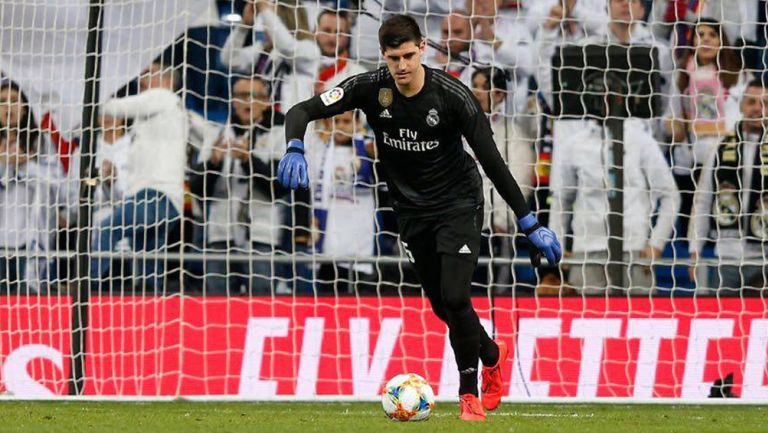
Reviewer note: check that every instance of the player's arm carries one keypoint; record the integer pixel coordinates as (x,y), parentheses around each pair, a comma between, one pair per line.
(477,130)
(292,170)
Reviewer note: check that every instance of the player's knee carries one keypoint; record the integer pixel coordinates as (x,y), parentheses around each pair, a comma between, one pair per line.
(439,311)
(456,300)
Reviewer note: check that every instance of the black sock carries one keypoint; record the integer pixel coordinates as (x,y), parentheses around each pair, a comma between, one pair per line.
(466,342)
(468,381)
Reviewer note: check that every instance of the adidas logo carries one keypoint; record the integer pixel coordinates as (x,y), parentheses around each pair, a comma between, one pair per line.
(385,114)
(465,250)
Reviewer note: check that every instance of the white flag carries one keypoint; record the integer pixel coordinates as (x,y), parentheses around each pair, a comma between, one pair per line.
(43,43)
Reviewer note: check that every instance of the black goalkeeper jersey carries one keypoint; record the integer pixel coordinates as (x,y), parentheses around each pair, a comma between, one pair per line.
(418,139)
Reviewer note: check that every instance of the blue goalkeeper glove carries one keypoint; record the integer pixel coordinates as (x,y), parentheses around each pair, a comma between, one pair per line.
(543,240)
(292,170)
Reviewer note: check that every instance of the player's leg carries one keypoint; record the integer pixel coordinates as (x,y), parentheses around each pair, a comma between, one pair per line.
(458,240)
(418,240)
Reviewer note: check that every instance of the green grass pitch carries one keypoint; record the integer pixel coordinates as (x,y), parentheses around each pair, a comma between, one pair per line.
(188,417)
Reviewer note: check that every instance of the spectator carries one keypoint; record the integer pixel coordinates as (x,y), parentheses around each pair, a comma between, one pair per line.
(343,201)
(112,149)
(504,40)
(744,22)
(333,40)
(579,196)
(625,27)
(704,104)
(490,88)
(729,206)
(28,215)
(16,115)
(456,51)
(580,205)
(155,177)
(288,57)
(242,198)
(705,96)
(201,133)
(586,17)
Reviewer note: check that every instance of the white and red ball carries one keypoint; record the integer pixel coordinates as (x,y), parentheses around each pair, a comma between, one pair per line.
(407,397)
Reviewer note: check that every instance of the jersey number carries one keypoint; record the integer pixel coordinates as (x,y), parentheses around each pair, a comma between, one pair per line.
(408,252)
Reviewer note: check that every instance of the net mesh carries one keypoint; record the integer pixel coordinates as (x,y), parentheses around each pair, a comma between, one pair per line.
(205,277)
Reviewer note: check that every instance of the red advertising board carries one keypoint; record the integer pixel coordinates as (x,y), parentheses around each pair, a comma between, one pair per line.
(305,347)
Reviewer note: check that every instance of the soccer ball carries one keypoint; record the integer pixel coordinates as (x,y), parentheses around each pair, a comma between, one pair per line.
(407,397)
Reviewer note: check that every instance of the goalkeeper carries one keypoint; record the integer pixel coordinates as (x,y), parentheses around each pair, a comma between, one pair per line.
(419,115)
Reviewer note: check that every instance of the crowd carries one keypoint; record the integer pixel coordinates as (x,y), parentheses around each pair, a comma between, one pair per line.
(178,176)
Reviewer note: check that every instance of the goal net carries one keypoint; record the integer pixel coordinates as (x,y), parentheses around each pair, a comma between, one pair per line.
(149,251)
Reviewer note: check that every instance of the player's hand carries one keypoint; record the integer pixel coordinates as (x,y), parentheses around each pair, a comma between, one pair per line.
(542,238)
(292,170)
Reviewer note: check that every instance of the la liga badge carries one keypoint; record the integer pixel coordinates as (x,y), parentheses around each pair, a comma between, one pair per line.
(332,96)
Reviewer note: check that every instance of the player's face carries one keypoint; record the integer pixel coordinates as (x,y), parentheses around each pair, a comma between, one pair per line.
(754,109)
(344,127)
(331,32)
(404,61)
(250,101)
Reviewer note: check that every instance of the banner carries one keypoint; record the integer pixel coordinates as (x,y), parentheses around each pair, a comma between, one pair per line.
(43,45)
(257,348)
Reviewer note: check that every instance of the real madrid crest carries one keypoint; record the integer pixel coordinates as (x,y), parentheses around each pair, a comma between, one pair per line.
(726,206)
(432,118)
(759,221)
(385,97)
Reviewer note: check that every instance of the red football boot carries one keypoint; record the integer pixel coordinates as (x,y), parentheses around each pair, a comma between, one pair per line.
(493,384)
(471,409)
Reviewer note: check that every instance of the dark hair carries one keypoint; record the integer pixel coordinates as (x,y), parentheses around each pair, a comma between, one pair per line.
(728,63)
(27,129)
(397,30)
(496,77)
(757,82)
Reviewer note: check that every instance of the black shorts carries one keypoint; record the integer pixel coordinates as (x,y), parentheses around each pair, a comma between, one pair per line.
(455,233)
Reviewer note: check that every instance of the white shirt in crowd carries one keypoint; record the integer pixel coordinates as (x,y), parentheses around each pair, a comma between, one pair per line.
(225,221)
(350,206)
(263,213)
(28,206)
(107,195)
(699,230)
(580,189)
(517,150)
(157,155)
